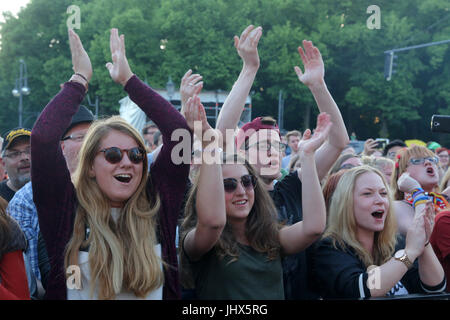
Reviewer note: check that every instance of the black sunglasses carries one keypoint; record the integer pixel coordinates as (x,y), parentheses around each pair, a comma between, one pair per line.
(248,181)
(114,155)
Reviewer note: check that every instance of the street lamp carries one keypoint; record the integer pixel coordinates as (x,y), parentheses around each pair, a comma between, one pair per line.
(21,87)
(170,87)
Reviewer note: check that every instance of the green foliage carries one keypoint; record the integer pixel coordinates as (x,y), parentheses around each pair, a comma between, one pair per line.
(198,34)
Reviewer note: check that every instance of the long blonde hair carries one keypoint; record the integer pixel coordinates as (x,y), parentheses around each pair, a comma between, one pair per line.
(121,254)
(341,225)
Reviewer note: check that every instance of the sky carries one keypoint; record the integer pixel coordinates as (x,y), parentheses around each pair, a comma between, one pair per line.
(11,5)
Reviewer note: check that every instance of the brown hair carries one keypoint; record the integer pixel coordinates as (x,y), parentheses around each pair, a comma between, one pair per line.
(261,227)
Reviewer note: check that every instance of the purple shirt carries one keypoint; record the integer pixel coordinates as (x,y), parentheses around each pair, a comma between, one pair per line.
(55,195)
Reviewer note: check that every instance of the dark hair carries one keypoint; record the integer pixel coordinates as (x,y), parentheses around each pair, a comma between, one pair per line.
(393,143)
(5,229)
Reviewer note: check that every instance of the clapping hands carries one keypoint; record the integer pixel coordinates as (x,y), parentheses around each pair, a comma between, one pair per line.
(191,85)
(81,63)
(119,69)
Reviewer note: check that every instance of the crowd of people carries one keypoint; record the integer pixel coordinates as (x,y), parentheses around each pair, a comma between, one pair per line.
(107,212)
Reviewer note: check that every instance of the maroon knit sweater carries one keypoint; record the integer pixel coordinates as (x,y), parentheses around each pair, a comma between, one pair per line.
(55,196)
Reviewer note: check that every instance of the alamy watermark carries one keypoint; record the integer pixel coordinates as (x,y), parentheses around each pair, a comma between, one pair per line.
(263,148)
(74,20)
(374,21)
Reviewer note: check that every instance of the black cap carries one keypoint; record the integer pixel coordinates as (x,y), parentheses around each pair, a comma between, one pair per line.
(13,134)
(83,115)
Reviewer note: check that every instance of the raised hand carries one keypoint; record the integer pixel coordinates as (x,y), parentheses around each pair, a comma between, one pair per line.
(370,146)
(81,63)
(419,232)
(195,112)
(119,69)
(406,183)
(311,142)
(247,45)
(313,64)
(191,85)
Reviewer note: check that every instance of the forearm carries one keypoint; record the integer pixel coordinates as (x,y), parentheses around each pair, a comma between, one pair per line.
(313,203)
(158,109)
(338,135)
(384,277)
(235,102)
(430,269)
(210,183)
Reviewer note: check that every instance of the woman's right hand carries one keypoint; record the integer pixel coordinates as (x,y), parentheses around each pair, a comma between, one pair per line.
(406,183)
(80,59)
(419,232)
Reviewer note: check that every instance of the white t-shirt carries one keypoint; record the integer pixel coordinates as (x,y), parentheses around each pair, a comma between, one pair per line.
(84,292)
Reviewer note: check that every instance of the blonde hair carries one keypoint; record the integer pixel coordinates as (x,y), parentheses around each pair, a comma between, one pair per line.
(403,157)
(444,181)
(341,225)
(121,254)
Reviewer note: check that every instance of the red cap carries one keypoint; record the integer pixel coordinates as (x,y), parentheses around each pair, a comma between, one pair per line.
(251,127)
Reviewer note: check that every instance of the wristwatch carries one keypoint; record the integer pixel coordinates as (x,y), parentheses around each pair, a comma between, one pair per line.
(401,255)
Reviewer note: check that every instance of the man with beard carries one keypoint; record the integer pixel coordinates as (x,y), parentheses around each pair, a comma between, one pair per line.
(16,160)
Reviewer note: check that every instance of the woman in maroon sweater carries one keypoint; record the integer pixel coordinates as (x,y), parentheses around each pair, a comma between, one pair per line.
(114,222)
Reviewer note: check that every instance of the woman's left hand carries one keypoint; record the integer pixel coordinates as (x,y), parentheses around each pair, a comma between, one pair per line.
(119,69)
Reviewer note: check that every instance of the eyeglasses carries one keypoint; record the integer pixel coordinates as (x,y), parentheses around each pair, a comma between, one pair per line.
(248,182)
(114,155)
(392,154)
(418,161)
(266,145)
(17,154)
(78,137)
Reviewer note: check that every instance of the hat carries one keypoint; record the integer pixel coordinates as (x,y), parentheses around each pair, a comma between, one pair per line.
(83,115)
(251,127)
(432,145)
(13,134)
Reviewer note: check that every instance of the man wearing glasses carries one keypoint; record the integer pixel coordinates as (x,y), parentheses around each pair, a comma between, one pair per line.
(16,160)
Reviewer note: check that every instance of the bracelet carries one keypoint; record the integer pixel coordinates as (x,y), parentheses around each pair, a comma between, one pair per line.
(416,192)
(86,85)
(420,200)
(79,74)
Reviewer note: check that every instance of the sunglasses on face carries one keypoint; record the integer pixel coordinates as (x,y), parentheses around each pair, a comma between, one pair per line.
(417,161)
(248,182)
(114,155)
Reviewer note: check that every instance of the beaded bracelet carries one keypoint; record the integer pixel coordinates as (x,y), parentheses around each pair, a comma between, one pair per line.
(420,200)
(416,192)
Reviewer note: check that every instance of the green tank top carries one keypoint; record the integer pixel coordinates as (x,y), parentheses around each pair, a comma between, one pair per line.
(252,277)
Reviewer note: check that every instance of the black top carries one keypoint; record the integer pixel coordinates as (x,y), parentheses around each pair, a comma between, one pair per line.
(287,196)
(340,274)
(6,192)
